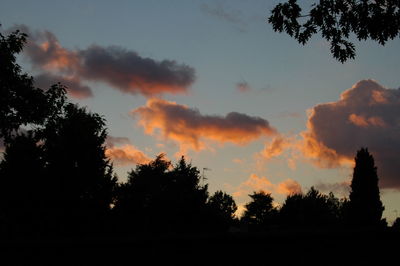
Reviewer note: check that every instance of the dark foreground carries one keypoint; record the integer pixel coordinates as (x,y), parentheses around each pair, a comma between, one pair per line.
(278,248)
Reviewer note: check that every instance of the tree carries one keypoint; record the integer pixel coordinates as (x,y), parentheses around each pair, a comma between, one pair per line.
(337,20)
(396,225)
(161,198)
(80,180)
(365,206)
(22,179)
(311,209)
(222,207)
(20,102)
(259,212)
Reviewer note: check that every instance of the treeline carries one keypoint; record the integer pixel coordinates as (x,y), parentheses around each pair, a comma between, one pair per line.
(56,180)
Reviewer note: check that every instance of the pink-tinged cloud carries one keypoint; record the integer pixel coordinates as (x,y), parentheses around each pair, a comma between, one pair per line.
(73,85)
(126,154)
(366,115)
(191,129)
(256,183)
(122,69)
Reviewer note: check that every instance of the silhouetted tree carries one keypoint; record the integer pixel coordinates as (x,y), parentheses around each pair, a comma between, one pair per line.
(337,20)
(22,195)
(80,179)
(222,210)
(160,199)
(20,102)
(259,212)
(311,209)
(396,225)
(365,206)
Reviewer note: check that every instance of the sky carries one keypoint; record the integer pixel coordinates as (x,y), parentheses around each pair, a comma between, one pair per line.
(251,108)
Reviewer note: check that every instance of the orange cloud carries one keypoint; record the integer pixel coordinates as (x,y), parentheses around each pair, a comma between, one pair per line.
(276,147)
(256,183)
(362,121)
(288,187)
(192,130)
(127,155)
(366,115)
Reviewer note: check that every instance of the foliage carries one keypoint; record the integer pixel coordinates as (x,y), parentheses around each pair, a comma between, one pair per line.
(159,197)
(20,102)
(365,206)
(396,224)
(259,212)
(22,180)
(222,208)
(83,183)
(337,20)
(313,208)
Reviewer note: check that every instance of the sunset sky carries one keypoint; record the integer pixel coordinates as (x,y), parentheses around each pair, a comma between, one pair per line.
(211,80)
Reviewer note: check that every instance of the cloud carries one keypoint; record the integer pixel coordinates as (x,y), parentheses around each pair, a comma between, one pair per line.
(120,68)
(191,129)
(366,115)
(243,86)
(288,187)
(126,154)
(256,183)
(276,147)
(231,16)
(74,86)
(341,189)
(131,73)
(112,141)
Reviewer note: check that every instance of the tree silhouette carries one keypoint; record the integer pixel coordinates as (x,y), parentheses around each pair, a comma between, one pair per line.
(396,225)
(80,179)
(20,102)
(259,212)
(310,209)
(337,20)
(365,206)
(160,199)
(222,207)
(22,197)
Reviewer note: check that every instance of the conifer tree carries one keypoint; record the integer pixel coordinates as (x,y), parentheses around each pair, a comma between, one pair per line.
(365,206)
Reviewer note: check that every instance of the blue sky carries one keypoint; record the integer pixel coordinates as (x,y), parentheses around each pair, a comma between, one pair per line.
(225,42)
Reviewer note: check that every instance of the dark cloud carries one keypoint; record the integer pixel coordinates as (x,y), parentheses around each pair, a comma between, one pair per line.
(243,86)
(74,86)
(191,129)
(122,69)
(113,141)
(131,73)
(341,189)
(367,115)
(219,11)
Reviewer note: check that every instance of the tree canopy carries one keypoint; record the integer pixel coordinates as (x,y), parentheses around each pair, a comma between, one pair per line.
(20,102)
(338,21)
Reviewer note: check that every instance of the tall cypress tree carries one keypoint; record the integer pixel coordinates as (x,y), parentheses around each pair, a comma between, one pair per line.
(365,206)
